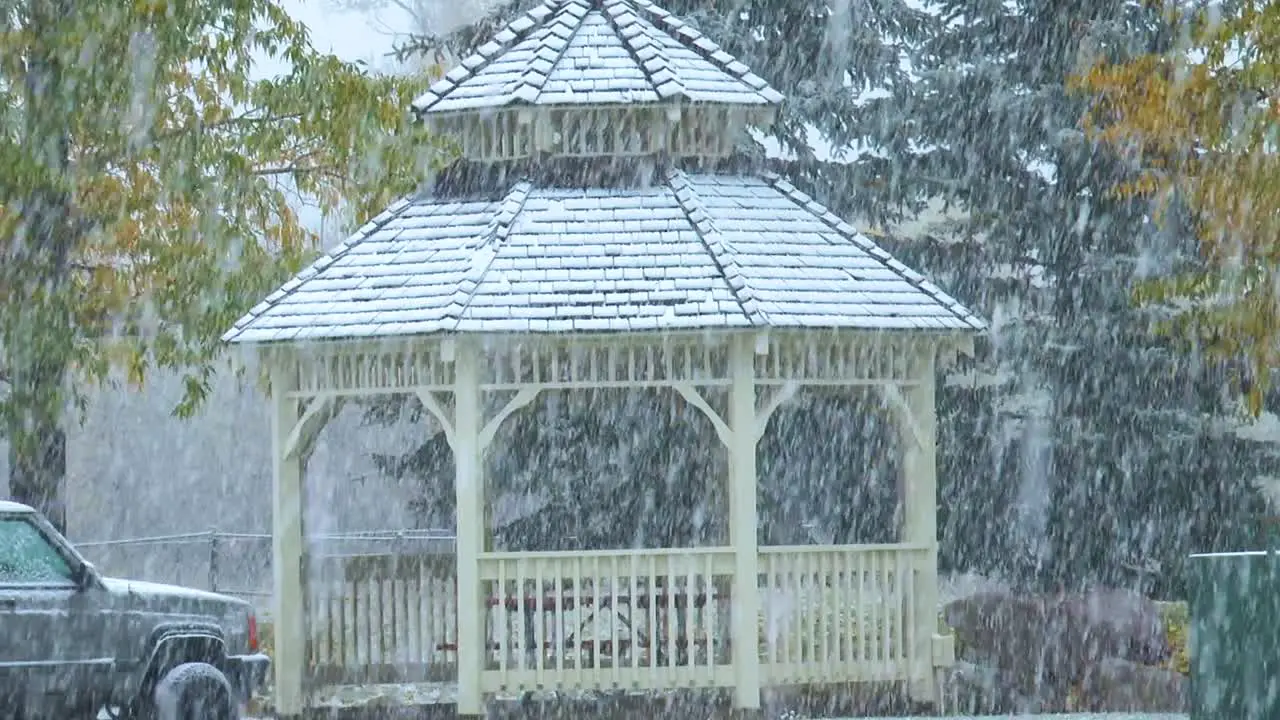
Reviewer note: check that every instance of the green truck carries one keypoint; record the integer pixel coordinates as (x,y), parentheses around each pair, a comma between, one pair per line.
(74,644)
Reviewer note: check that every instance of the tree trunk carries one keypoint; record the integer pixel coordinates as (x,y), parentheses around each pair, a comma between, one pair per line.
(38,347)
(37,474)
(38,322)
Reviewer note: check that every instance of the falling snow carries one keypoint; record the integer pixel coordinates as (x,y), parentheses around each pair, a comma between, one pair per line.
(851,277)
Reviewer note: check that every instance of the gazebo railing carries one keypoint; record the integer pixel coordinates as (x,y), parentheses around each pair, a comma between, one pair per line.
(840,613)
(633,619)
(627,619)
(386,618)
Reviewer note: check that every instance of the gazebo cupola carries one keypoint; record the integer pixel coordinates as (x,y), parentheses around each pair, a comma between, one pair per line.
(597,78)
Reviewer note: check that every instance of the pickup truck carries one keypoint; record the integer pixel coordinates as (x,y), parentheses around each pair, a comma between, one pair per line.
(74,644)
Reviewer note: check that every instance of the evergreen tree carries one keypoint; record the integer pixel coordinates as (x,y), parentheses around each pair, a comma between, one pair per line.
(1097,410)
(1079,445)
(821,56)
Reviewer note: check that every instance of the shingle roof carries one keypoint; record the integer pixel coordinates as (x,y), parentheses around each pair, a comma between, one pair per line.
(696,251)
(601,52)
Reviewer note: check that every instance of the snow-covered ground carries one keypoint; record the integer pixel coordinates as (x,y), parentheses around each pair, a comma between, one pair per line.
(1101,716)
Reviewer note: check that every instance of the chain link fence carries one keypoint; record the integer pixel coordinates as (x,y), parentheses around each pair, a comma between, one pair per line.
(239,563)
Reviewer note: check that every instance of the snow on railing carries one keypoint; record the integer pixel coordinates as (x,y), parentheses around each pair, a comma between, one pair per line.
(653,618)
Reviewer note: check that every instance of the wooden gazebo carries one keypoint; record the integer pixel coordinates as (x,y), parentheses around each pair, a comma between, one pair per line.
(590,237)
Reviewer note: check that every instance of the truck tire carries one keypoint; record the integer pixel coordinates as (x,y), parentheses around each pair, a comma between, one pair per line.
(195,691)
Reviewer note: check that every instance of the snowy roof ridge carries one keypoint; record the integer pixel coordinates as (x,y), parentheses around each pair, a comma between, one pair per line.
(643,48)
(635,52)
(721,254)
(315,268)
(851,233)
(706,47)
(531,83)
(502,41)
(497,232)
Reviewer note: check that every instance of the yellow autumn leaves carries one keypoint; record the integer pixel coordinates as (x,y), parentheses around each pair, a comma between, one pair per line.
(1201,126)
(187,168)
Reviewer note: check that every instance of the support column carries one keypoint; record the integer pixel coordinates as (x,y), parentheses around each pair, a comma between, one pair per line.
(918,425)
(745,605)
(288,609)
(469,486)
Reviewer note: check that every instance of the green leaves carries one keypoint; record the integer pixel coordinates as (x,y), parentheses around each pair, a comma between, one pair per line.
(185,167)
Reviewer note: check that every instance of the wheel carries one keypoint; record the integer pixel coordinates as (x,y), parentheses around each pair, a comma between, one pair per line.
(195,691)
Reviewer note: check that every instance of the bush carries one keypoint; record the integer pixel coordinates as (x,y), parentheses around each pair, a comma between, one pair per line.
(1177,621)
(1177,624)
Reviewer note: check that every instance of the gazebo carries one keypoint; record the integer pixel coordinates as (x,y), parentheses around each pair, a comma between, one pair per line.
(597,234)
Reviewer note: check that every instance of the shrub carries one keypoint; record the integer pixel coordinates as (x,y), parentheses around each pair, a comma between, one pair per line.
(1177,624)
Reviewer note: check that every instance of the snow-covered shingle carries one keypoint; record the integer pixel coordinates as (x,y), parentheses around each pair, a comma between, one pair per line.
(700,251)
(597,52)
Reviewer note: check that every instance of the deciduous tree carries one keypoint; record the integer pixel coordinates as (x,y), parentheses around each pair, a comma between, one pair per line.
(150,191)
(1201,123)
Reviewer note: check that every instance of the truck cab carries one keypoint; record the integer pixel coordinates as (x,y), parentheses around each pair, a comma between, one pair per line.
(73,642)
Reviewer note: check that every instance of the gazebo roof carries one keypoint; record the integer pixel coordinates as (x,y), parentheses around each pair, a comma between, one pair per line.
(601,242)
(691,251)
(597,52)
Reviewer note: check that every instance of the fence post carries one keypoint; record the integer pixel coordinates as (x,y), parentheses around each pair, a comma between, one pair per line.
(213,559)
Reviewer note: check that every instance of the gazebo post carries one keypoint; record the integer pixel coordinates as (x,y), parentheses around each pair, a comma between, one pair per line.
(469,486)
(289,653)
(917,419)
(745,607)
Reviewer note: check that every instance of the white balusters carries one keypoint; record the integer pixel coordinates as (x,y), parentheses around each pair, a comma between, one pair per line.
(642,619)
(837,614)
(615,605)
(386,618)
(611,619)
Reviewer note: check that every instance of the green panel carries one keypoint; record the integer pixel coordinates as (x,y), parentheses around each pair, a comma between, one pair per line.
(1235,636)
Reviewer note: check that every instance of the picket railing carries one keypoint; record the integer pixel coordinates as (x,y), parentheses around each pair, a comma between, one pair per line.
(382,619)
(634,619)
(627,619)
(840,613)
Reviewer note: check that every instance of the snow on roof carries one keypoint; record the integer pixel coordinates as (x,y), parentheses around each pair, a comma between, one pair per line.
(598,52)
(693,252)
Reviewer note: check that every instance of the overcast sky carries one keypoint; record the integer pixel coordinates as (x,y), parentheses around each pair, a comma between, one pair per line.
(365,35)
(368,35)
(357,35)
(351,35)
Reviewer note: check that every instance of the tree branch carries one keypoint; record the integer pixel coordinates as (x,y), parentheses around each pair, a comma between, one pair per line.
(247,118)
(250,117)
(296,169)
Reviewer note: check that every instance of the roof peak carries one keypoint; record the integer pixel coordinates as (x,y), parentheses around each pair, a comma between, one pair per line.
(596,53)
